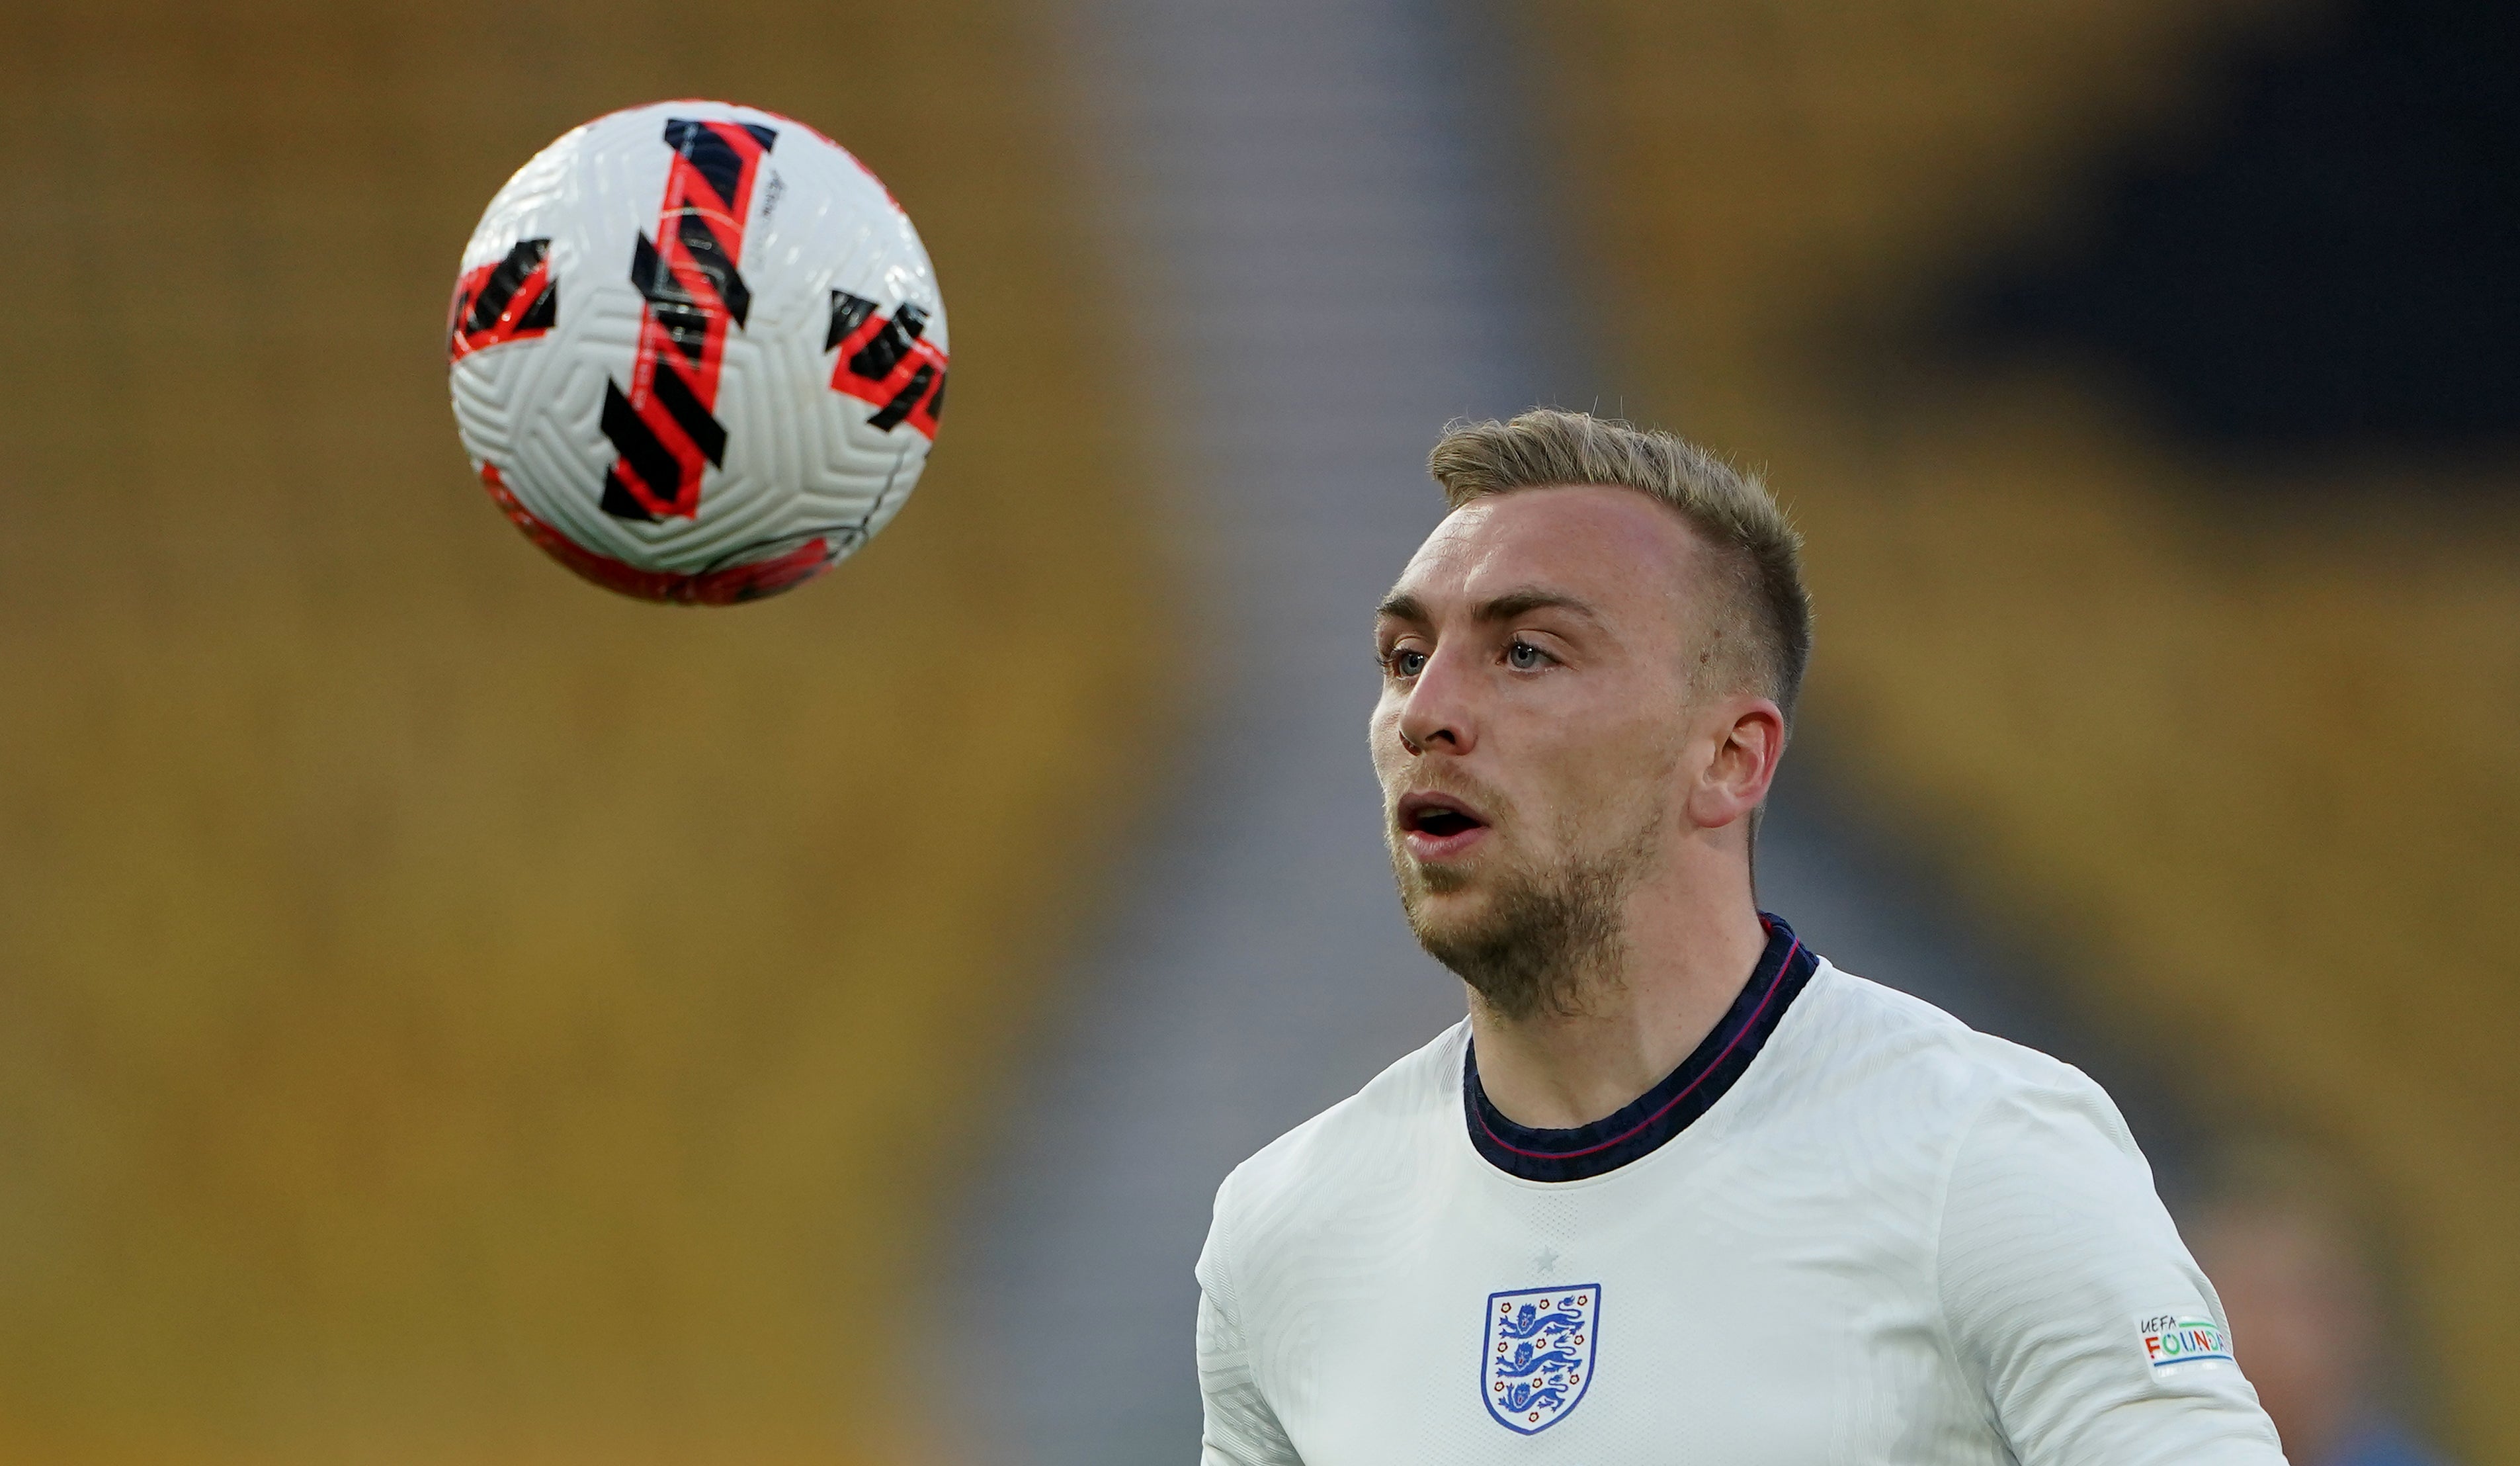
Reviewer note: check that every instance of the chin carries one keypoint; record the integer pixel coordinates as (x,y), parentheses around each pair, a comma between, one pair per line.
(1442,898)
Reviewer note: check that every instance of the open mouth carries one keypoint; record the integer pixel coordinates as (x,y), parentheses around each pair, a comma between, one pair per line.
(1434,825)
(1443,822)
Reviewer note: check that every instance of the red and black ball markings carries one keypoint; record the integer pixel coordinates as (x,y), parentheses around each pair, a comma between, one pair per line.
(509,301)
(665,426)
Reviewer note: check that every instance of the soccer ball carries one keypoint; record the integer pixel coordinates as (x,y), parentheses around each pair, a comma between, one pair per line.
(697,352)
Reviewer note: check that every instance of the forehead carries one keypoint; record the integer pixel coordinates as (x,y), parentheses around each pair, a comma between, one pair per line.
(1606,546)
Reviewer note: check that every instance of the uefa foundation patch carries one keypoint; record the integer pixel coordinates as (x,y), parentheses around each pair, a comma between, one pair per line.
(1537,1360)
(2172,1340)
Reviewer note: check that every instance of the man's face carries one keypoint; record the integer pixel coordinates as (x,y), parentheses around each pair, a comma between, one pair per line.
(1535,710)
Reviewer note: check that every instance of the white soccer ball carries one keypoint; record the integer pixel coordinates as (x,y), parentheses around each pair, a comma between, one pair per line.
(696,351)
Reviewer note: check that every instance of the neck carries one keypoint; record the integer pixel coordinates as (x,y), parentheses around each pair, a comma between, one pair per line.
(1688,953)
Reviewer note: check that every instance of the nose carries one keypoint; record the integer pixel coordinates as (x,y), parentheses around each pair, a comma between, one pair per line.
(1435,717)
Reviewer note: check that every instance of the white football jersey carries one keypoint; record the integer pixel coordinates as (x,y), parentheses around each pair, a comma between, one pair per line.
(1850,1228)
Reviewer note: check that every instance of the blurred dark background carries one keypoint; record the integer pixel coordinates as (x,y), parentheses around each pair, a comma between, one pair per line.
(2318,262)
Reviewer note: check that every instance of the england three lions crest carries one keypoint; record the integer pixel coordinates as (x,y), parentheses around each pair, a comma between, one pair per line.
(1537,1360)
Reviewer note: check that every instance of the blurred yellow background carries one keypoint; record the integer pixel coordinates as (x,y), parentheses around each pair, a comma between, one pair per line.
(449,1014)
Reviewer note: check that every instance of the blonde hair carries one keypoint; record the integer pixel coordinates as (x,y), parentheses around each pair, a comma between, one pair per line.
(1759,546)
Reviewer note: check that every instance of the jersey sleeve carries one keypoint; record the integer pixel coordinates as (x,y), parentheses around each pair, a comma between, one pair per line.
(1238,1428)
(2071,1304)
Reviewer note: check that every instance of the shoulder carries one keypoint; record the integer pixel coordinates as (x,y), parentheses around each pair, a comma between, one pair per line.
(2038,1189)
(1926,1091)
(1345,1142)
(2046,1243)
(1365,1144)
(1878,1038)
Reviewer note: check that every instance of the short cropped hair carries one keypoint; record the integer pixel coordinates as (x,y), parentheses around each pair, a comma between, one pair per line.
(1751,535)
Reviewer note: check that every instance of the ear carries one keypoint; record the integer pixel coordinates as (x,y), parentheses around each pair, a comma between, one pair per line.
(1748,736)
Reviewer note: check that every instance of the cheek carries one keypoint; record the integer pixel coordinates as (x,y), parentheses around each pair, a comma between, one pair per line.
(1383,734)
(1620,768)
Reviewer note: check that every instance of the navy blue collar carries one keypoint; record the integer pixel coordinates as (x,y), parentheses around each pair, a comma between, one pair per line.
(1655,1116)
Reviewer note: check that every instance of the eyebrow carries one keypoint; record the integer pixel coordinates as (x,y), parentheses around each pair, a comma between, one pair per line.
(1402,606)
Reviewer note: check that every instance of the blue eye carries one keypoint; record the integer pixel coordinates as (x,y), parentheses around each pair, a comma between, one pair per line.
(1523,656)
(1406,661)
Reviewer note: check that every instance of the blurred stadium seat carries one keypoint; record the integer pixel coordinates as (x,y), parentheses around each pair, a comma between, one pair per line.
(447,1013)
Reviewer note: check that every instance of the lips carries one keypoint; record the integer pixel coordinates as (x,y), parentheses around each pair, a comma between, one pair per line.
(1437,827)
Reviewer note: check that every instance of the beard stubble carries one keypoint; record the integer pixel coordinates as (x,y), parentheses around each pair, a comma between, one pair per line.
(1547,938)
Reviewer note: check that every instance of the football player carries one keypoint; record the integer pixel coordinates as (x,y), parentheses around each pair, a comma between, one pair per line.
(1678,1188)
